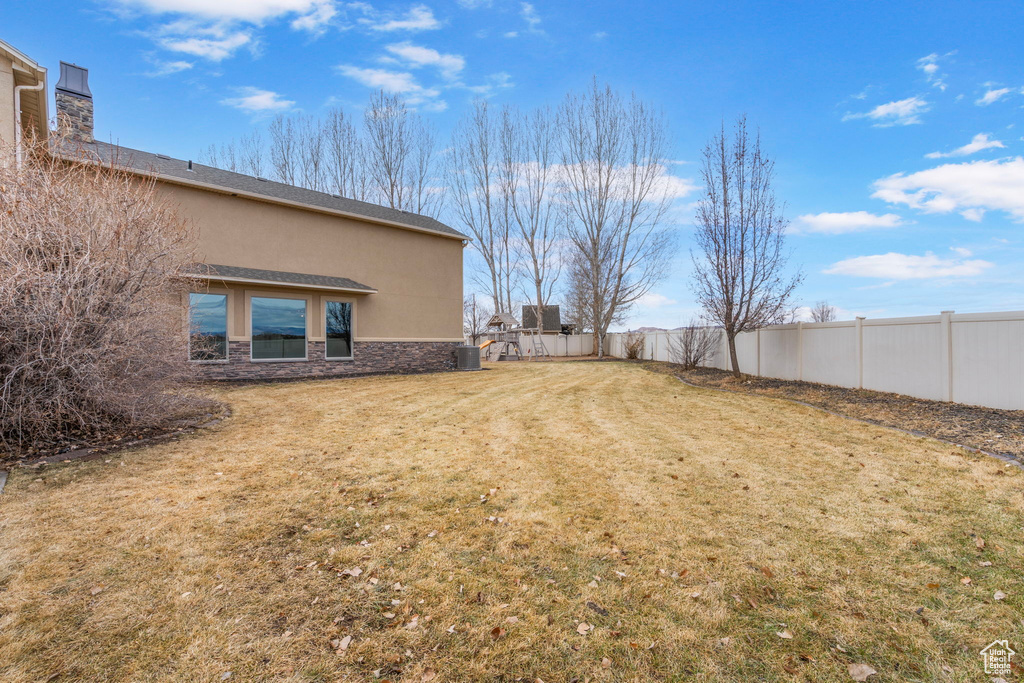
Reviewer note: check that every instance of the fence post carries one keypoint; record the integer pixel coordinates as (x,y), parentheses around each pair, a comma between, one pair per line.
(946,371)
(800,350)
(860,351)
(758,333)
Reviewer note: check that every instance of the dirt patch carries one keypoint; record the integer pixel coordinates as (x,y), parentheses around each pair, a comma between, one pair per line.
(988,429)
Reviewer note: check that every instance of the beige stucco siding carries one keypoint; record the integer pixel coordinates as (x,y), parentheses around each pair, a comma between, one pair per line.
(7,115)
(418,276)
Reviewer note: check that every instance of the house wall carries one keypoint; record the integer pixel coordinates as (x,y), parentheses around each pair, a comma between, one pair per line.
(7,114)
(418,276)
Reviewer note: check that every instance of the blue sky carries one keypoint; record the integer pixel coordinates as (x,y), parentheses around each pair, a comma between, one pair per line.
(894,125)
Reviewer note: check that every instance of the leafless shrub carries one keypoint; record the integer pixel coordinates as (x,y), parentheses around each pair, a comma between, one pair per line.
(693,345)
(634,344)
(92,273)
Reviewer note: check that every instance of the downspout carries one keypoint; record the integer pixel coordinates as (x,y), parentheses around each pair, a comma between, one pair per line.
(17,116)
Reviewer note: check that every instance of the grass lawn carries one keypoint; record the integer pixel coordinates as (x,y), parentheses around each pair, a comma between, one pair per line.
(557,521)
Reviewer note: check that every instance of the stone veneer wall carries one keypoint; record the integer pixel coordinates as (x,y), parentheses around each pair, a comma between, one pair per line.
(369,358)
(76,114)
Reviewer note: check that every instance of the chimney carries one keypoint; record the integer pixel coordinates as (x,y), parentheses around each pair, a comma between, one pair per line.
(74,102)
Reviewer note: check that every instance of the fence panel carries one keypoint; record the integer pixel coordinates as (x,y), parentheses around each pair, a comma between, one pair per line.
(905,357)
(830,354)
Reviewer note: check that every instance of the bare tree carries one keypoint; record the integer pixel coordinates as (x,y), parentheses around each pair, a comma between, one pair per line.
(529,185)
(474,318)
(346,161)
(739,269)
(480,200)
(693,345)
(312,153)
(822,312)
(634,344)
(251,155)
(613,154)
(93,270)
(400,156)
(284,146)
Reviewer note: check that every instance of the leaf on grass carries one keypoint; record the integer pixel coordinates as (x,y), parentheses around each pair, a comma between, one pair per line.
(986,563)
(512,620)
(353,572)
(695,594)
(592,584)
(606,663)
(96,590)
(344,643)
(966,581)
(979,542)
(583,628)
(1000,595)
(497,632)
(860,672)
(933,586)
(428,674)
(767,572)
(784,634)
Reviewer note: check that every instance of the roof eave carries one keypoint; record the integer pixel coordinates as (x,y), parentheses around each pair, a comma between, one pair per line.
(278,283)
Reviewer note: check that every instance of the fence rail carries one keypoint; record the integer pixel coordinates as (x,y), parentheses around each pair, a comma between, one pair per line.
(972,358)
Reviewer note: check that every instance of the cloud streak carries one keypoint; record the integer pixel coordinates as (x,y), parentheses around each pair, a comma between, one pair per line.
(899,113)
(841,223)
(978,143)
(896,266)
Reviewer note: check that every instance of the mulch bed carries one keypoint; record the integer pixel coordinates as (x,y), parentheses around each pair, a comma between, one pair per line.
(988,429)
(90,447)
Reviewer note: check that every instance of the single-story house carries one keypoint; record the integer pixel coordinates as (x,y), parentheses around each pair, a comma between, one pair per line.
(297,283)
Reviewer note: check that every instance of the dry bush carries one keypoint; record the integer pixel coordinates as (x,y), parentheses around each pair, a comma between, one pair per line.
(92,270)
(634,345)
(693,346)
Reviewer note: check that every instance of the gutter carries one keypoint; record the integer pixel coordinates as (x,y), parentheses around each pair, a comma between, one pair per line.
(275,283)
(19,153)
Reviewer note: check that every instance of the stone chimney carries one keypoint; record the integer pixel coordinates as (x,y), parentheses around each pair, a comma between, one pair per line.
(74,102)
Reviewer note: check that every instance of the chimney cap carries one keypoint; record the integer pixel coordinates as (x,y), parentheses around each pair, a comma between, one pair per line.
(74,80)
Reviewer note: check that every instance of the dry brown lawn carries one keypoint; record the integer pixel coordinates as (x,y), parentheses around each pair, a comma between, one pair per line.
(550,521)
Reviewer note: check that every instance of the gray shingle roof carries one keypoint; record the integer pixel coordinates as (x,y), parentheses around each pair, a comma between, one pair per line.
(214,271)
(177,168)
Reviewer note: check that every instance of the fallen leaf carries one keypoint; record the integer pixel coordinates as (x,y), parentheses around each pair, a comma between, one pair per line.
(428,674)
(860,672)
(583,628)
(512,620)
(695,594)
(979,542)
(497,632)
(592,584)
(96,590)
(784,634)
(725,642)
(767,572)
(389,615)
(966,581)
(1000,595)
(933,586)
(355,571)
(986,563)
(345,642)
(606,663)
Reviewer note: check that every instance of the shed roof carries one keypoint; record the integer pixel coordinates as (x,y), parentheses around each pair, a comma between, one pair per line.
(200,175)
(211,271)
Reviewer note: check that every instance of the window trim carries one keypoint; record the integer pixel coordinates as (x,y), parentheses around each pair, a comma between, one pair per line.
(227,324)
(249,296)
(352,342)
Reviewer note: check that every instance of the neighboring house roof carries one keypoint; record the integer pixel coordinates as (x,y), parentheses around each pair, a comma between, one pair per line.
(502,319)
(178,171)
(552,318)
(276,277)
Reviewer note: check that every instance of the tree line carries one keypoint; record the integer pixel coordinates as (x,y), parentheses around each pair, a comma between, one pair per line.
(570,199)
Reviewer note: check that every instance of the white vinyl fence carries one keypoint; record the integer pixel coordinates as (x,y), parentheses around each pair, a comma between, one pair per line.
(972,358)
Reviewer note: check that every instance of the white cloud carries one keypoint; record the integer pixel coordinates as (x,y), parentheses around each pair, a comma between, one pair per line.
(416,56)
(213,43)
(258,101)
(930,66)
(401,82)
(894,266)
(167,68)
(530,16)
(600,35)
(991,96)
(252,11)
(851,221)
(969,187)
(655,300)
(512,34)
(962,251)
(418,18)
(978,143)
(898,113)
(495,82)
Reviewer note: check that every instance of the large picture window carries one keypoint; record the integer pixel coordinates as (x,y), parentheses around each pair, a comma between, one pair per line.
(339,329)
(278,328)
(207,326)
